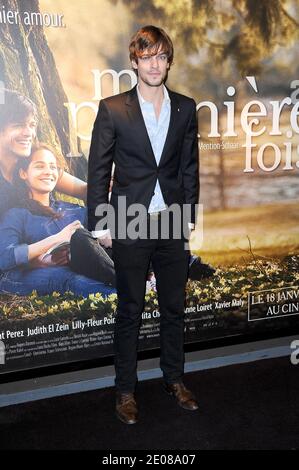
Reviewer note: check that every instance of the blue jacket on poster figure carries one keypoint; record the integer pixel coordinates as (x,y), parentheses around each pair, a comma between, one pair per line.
(8,198)
(20,228)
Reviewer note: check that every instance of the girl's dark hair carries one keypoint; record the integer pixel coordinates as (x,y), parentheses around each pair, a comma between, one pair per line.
(151,37)
(15,108)
(22,190)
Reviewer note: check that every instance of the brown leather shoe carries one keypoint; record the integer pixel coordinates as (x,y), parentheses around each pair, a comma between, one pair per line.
(183,396)
(126,408)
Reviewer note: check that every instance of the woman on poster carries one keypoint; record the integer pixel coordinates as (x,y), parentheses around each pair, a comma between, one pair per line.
(40,224)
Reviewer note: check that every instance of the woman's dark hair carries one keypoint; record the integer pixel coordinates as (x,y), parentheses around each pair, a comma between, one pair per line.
(15,108)
(152,38)
(22,190)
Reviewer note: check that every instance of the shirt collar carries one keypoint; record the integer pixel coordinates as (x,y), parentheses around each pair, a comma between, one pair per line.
(142,100)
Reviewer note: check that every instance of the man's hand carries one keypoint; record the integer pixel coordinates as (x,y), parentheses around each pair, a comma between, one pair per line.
(106,240)
(59,258)
(103,237)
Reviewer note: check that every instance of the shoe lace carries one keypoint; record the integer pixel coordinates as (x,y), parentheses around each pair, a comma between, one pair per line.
(127,398)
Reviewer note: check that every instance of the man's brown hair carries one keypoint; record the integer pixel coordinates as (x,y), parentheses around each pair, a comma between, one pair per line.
(152,38)
(16,108)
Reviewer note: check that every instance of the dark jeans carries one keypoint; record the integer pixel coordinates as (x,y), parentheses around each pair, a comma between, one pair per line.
(90,259)
(170,263)
(48,280)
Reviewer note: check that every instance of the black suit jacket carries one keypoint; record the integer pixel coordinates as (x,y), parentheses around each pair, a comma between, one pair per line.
(120,136)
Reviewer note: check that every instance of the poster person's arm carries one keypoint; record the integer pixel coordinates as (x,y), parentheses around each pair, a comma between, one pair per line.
(190,164)
(72,186)
(5,202)
(14,251)
(39,248)
(100,165)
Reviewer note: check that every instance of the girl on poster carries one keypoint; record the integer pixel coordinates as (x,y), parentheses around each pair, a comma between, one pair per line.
(38,224)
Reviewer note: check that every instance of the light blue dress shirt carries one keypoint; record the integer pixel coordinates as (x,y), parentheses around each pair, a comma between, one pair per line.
(157,131)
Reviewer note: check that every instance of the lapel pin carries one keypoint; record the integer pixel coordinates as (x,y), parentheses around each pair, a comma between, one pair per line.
(178,109)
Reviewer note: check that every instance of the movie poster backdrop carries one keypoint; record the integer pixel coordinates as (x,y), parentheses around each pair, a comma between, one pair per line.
(238,61)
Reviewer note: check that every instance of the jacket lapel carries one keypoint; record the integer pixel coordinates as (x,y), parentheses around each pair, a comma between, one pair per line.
(135,115)
(173,123)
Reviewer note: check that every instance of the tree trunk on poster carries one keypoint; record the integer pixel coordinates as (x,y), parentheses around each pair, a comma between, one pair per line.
(28,66)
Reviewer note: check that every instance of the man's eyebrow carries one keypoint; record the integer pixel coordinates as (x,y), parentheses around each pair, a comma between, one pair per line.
(21,123)
(42,161)
(149,53)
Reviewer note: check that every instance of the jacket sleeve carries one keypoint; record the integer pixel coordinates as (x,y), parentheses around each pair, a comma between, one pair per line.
(100,164)
(190,163)
(13,252)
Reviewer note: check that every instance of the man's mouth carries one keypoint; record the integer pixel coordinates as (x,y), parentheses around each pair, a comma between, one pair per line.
(25,143)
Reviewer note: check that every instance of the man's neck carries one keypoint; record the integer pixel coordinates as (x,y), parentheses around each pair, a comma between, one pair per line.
(153,94)
(7,166)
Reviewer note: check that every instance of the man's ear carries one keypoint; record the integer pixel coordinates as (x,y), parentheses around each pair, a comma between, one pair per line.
(22,174)
(134,64)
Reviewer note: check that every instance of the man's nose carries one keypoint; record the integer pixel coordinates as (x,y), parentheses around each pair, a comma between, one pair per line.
(154,61)
(27,131)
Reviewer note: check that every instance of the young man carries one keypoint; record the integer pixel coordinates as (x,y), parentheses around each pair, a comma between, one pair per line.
(150,133)
(18,120)
(18,124)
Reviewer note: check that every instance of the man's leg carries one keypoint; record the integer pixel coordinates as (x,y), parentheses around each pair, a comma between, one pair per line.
(91,259)
(131,267)
(170,262)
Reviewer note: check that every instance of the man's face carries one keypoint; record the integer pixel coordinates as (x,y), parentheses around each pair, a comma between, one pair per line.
(152,69)
(16,138)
